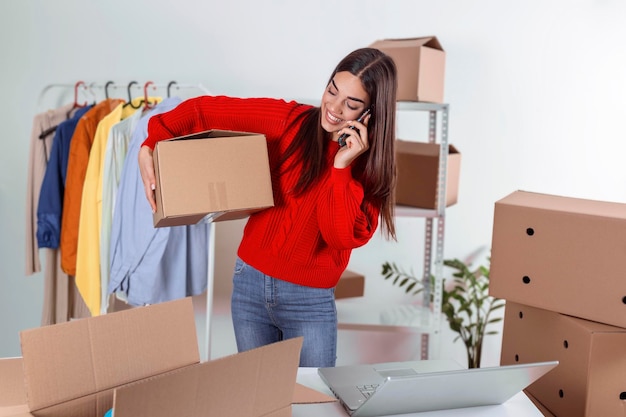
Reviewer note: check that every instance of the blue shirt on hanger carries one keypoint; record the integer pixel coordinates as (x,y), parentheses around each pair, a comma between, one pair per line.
(149,265)
(50,205)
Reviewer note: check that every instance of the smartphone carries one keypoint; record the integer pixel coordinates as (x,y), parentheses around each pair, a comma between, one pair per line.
(342,138)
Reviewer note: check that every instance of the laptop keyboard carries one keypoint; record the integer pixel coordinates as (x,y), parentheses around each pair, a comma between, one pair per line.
(367,390)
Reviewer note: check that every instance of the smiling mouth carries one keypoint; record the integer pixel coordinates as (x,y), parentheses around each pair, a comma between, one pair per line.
(333,119)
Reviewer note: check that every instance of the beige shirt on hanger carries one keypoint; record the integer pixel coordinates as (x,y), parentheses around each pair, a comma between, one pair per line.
(61,300)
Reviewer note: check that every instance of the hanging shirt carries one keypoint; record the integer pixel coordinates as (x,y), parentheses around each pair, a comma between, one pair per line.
(114,155)
(88,278)
(80,147)
(50,206)
(37,162)
(151,265)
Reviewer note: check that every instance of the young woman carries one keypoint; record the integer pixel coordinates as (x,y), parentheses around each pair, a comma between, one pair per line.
(328,198)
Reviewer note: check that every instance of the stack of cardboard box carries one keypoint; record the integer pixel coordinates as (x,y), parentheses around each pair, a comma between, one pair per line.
(558,262)
(421,63)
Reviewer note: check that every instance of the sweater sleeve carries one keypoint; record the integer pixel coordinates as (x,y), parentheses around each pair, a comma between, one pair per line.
(343,223)
(258,115)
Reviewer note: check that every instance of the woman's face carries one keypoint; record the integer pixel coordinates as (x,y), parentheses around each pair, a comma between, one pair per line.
(344,100)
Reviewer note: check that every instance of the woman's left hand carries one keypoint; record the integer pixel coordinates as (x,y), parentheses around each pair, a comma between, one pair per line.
(356,143)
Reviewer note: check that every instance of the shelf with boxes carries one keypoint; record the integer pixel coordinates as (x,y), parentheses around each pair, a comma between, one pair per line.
(428,177)
(428,173)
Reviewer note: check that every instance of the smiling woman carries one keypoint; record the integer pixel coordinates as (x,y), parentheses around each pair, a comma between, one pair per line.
(328,199)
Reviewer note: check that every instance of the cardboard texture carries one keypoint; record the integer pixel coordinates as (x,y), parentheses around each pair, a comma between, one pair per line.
(351,284)
(12,391)
(259,382)
(418,174)
(589,380)
(219,173)
(305,395)
(74,369)
(561,254)
(421,64)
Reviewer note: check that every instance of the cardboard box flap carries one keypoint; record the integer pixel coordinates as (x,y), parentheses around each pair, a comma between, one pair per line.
(433,43)
(68,361)
(305,395)
(258,382)
(427,41)
(422,148)
(213,133)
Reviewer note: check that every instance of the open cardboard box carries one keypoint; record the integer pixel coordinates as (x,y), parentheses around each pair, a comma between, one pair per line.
(589,380)
(418,174)
(217,173)
(145,362)
(561,254)
(421,64)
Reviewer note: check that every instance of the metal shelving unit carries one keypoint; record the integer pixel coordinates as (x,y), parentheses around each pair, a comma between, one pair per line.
(425,319)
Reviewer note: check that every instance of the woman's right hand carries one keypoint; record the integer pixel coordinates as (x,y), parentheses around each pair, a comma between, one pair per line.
(146,168)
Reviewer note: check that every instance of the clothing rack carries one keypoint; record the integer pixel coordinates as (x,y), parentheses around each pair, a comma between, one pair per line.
(85,93)
(88,92)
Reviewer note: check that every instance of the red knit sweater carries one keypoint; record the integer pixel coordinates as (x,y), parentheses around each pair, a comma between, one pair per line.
(305,239)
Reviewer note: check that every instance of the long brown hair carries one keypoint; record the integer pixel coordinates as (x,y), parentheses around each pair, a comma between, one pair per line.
(376,168)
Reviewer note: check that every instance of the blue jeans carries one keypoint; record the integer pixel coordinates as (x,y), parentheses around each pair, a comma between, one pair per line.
(267,310)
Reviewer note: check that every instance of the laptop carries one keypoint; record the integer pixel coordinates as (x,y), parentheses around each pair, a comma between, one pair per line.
(428,385)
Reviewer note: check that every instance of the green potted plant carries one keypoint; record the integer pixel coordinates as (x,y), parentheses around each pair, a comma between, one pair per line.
(466,303)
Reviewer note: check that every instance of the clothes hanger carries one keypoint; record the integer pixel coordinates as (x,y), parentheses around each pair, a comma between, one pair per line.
(146,103)
(91,88)
(169,86)
(106,89)
(76,86)
(52,129)
(130,98)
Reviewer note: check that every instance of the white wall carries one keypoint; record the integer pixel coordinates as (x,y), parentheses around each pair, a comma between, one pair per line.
(537,91)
